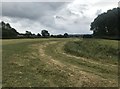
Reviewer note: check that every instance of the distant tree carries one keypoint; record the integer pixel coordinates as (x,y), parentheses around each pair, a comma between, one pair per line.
(60,36)
(87,36)
(55,36)
(106,24)
(7,31)
(52,35)
(45,33)
(38,35)
(66,35)
(28,34)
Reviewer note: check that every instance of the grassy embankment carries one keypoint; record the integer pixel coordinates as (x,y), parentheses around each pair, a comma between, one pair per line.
(105,51)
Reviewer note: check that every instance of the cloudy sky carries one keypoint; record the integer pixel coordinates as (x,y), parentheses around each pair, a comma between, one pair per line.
(57,16)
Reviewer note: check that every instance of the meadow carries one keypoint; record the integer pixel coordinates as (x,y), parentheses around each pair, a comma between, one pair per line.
(60,62)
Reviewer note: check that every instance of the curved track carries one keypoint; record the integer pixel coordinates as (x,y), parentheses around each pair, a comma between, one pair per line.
(76,71)
(44,63)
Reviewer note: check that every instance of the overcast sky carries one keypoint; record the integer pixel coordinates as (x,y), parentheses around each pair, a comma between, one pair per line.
(57,17)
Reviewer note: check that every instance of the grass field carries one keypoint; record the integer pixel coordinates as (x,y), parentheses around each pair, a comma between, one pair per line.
(69,62)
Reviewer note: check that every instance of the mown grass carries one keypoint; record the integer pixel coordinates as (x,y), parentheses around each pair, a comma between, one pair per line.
(106,51)
(97,69)
(18,64)
(23,65)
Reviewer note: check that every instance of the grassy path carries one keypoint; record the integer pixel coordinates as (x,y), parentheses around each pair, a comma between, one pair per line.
(41,62)
(96,72)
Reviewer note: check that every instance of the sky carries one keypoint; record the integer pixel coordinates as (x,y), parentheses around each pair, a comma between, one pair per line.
(56,16)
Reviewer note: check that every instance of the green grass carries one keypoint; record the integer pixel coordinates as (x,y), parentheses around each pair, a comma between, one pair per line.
(44,63)
(97,69)
(22,68)
(100,50)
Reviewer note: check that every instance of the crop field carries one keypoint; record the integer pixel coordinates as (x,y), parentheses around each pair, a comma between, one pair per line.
(60,62)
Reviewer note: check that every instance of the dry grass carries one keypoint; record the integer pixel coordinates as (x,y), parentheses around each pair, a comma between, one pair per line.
(43,62)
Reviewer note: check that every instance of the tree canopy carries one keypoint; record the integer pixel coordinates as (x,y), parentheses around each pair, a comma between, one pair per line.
(7,31)
(106,24)
(45,33)
(66,35)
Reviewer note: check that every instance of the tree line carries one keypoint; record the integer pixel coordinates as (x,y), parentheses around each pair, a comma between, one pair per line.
(9,32)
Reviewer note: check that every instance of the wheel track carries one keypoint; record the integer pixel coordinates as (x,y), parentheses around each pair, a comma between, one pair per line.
(85,76)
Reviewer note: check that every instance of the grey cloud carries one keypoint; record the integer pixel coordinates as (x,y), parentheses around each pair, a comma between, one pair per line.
(98,12)
(30,10)
(40,12)
(53,16)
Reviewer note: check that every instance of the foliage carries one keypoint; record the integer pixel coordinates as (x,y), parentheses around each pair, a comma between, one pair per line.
(106,24)
(45,33)
(38,35)
(28,33)
(7,30)
(66,35)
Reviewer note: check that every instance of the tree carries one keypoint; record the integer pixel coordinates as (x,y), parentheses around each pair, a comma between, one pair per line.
(60,36)
(8,26)
(7,31)
(45,33)
(2,24)
(66,35)
(28,34)
(106,24)
(38,35)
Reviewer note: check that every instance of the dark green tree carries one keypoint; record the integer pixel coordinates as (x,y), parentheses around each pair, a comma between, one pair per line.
(38,35)
(66,35)
(7,31)
(106,24)
(28,34)
(45,33)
